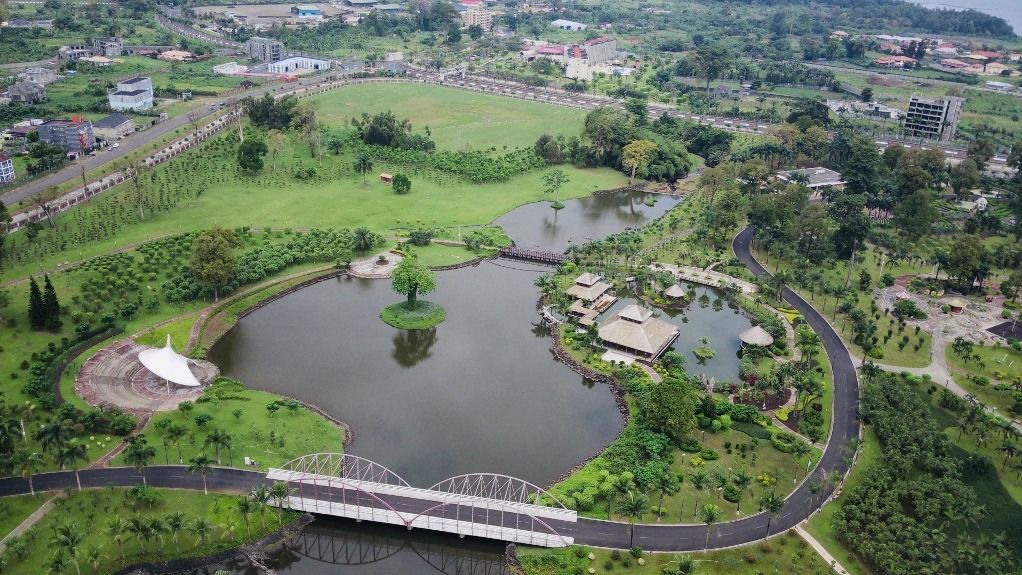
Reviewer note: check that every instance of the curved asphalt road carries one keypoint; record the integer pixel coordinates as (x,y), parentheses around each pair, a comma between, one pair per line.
(659,537)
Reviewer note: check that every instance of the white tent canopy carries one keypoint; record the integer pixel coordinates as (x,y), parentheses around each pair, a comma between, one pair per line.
(169,365)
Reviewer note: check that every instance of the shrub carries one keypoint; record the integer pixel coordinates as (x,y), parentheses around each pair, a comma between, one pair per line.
(636,552)
(690,445)
(709,455)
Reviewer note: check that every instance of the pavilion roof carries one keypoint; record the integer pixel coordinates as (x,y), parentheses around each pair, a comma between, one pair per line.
(169,365)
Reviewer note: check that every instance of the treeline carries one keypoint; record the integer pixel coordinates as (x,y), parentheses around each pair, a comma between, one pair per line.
(913,513)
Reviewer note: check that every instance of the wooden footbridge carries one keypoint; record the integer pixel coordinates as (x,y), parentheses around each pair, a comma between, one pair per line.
(535,256)
(484,505)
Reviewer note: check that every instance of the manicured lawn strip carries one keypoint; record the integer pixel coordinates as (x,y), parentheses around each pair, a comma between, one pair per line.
(269,438)
(423,315)
(821,525)
(16,508)
(435,255)
(178,330)
(787,553)
(91,511)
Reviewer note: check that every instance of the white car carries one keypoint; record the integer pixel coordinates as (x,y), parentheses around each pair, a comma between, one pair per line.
(116,145)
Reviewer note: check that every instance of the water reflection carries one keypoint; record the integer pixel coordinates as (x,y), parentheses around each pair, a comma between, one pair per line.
(412,346)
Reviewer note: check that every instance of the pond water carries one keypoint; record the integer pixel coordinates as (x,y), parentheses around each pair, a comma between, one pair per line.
(481,392)
(538,225)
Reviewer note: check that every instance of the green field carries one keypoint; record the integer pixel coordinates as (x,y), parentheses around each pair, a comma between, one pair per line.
(16,508)
(457,119)
(1002,365)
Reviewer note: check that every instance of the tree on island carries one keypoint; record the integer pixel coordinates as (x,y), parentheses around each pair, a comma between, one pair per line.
(554,179)
(410,278)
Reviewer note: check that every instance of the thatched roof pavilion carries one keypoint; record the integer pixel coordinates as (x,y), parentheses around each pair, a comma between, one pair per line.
(635,331)
(756,336)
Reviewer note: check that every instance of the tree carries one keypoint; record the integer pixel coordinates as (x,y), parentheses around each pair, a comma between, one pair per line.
(363,165)
(965,257)
(866,95)
(915,215)
(410,278)
(200,464)
(173,435)
(670,408)
(808,341)
(245,508)
(260,496)
(280,492)
(250,155)
(772,504)
(634,507)
(554,180)
(216,439)
(51,306)
(699,480)
(175,522)
(71,454)
(141,529)
(69,538)
(202,529)
(54,435)
(36,312)
(981,150)
(213,261)
(277,142)
(362,240)
(712,61)
(964,177)
(636,156)
(25,464)
(667,483)
(116,529)
(402,184)
(5,223)
(139,454)
(709,515)
(475,31)
(862,170)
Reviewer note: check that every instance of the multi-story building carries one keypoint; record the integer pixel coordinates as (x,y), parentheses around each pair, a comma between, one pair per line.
(264,49)
(600,49)
(134,94)
(110,47)
(298,64)
(74,52)
(74,135)
(113,127)
(6,168)
(935,118)
(479,17)
(27,92)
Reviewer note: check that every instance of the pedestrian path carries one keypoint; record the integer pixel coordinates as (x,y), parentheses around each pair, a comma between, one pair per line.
(29,521)
(821,550)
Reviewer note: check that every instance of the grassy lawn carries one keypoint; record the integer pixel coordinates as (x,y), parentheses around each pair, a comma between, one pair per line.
(457,119)
(270,438)
(821,525)
(91,511)
(178,331)
(788,553)
(435,255)
(827,305)
(17,508)
(1002,365)
(422,315)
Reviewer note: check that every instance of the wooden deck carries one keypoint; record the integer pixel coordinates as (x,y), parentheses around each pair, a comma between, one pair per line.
(537,256)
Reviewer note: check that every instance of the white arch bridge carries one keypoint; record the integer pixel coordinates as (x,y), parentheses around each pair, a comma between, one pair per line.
(484,505)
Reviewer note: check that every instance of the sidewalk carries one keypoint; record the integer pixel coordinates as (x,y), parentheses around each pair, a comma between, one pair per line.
(834,564)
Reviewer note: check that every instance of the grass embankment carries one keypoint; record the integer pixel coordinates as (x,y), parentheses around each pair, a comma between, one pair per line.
(787,553)
(420,315)
(269,435)
(90,513)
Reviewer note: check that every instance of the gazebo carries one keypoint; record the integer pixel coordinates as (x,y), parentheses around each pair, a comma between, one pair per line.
(168,365)
(756,336)
(957,304)
(675,292)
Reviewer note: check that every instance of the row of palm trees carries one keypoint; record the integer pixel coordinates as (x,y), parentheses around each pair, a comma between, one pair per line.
(68,539)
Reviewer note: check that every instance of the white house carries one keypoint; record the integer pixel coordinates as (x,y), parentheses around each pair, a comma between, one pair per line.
(134,94)
(6,168)
(568,25)
(297,64)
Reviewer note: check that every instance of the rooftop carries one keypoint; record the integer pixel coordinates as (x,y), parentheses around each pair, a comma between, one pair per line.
(135,80)
(112,121)
(169,365)
(756,335)
(648,336)
(130,92)
(587,279)
(817,177)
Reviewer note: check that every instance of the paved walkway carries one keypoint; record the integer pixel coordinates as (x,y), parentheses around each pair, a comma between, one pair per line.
(29,521)
(821,550)
(371,268)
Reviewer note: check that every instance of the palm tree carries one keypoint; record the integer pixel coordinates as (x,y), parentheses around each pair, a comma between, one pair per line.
(201,465)
(57,562)
(808,341)
(623,485)
(772,504)
(363,165)
(157,527)
(799,449)
(26,463)
(139,454)
(216,440)
(71,454)
(202,529)
(870,371)
(634,507)
(260,496)
(700,480)
(139,527)
(709,514)
(175,523)
(1010,450)
(93,557)
(742,479)
(362,240)
(115,529)
(667,484)
(280,492)
(174,434)
(69,538)
(245,508)
(229,529)
(53,435)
